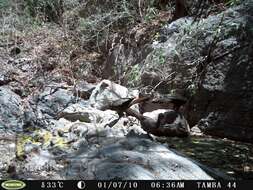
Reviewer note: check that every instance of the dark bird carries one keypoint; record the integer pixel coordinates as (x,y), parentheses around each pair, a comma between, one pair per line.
(176,99)
(162,122)
(148,124)
(121,106)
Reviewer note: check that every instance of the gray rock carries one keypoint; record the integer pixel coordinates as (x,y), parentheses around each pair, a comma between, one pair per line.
(5,78)
(76,116)
(24,64)
(223,103)
(84,89)
(80,129)
(150,78)
(85,113)
(195,131)
(29,147)
(134,159)
(7,154)
(221,85)
(80,144)
(175,26)
(106,92)
(11,112)
(53,101)
(40,165)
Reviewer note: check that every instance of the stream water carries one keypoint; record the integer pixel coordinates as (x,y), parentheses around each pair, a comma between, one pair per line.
(233,158)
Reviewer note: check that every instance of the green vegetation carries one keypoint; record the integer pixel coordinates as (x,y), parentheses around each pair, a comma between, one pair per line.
(46,10)
(4,4)
(134,75)
(158,57)
(151,13)
(232,2)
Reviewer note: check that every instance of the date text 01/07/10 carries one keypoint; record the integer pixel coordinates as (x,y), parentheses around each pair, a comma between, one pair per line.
(117,185)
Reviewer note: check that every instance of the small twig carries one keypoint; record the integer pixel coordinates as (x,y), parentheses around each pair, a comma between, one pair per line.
(7,45)
(228,52)
(214,42)
(198,8)
(208,57)
(162,81)
(140,11)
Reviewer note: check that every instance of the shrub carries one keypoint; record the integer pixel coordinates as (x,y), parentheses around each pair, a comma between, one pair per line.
(46,10)
(4,4)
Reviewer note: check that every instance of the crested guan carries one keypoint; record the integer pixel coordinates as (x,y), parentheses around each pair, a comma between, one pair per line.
(121,105)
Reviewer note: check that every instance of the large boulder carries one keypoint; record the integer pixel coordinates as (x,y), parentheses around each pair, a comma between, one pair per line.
(212,60)
(83,89)
(53,100)
(223,103)
(107,92)
(132,159)
(11,112)
(96,153)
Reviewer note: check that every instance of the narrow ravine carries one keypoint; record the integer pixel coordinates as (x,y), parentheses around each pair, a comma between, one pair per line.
(158,89)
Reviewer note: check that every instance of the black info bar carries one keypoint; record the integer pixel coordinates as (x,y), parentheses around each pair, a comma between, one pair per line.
(125,184)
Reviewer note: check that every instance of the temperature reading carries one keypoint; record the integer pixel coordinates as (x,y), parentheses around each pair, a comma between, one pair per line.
(52,185)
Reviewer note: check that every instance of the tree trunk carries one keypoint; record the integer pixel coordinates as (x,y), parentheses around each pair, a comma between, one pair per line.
(181,10)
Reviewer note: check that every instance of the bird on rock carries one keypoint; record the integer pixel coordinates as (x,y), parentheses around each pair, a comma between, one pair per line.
(121,105)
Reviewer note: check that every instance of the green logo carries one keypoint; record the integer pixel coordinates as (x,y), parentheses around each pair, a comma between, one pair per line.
(13,185)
